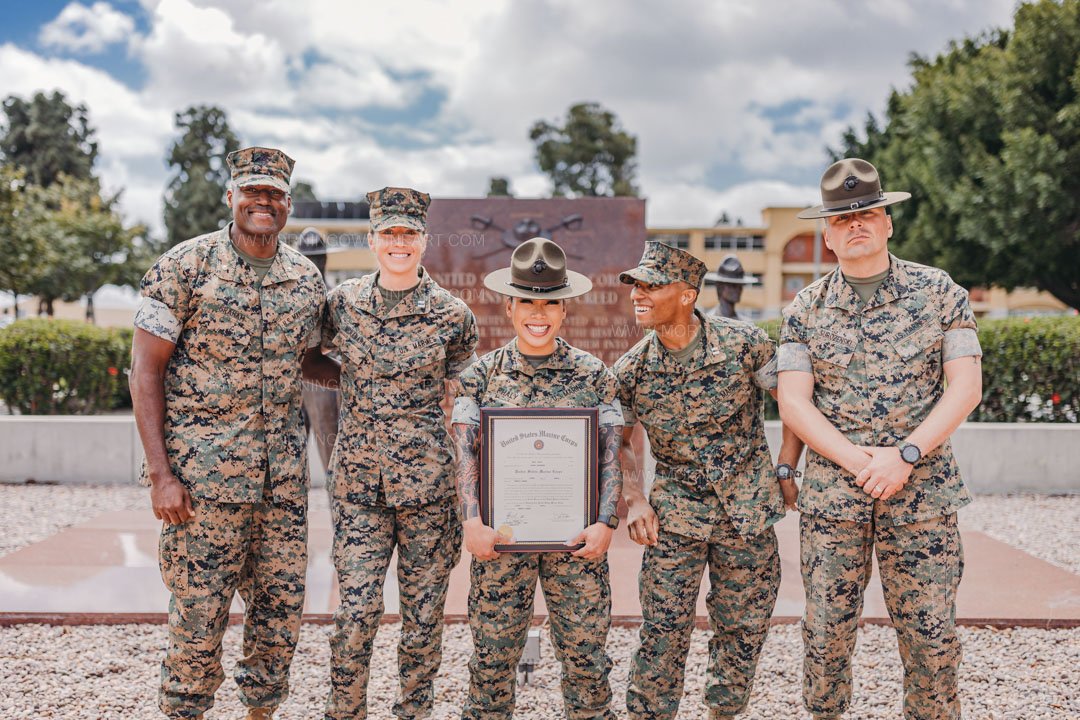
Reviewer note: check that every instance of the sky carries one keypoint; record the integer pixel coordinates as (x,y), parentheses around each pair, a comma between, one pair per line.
(733,102)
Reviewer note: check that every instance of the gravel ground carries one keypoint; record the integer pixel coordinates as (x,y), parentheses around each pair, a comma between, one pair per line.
(110,672)
(1046,526)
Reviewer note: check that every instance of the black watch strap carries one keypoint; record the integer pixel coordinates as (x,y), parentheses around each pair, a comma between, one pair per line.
(612,521)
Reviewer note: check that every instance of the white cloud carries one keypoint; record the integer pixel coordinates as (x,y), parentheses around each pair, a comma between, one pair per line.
(197,55)
(80,28)
(733,103)
(695,205)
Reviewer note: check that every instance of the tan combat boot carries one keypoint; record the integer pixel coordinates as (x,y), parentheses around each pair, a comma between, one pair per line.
(261,713)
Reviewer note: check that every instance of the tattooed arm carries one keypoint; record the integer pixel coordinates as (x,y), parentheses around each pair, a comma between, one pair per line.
(480,540)
(610,469)
(597,537)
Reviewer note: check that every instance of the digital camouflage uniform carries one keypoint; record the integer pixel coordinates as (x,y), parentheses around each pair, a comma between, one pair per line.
(878,372)
(235,440)
(390,480)
(577,591)
(716,497)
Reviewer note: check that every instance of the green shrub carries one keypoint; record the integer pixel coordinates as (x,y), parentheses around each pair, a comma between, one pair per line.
(1031,369)
(56,367)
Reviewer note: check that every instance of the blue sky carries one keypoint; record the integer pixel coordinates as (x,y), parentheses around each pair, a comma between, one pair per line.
(733,102)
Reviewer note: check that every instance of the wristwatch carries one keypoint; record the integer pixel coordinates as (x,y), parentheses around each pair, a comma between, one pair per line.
(909,453)
(612,521)
(786,472)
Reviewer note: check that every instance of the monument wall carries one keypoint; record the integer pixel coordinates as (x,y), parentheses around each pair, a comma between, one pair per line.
(601,238)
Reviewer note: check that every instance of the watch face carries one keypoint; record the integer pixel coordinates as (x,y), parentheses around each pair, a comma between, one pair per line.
(783,472)
(910,454)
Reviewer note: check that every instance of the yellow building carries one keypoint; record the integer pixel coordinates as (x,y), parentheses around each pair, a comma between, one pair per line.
(781,253)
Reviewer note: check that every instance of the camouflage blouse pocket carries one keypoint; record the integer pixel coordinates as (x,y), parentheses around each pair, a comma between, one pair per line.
(717,398)
(417,376)
(222,333)
(924,340)
(427,362)
(829,358)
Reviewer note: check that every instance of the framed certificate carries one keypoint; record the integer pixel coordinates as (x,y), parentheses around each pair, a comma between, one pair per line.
(539,475)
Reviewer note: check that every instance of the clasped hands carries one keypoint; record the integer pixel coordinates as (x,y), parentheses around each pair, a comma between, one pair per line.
(884,472)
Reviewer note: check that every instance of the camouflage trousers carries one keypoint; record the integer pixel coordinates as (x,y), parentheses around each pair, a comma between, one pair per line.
(578,597)
(428,542)
(744,578)
(258,550)
(920,567)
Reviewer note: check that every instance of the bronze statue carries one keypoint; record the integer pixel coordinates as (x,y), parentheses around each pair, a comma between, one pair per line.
(729,279)
(320,403)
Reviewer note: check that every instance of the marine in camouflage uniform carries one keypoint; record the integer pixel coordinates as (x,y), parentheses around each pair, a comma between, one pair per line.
(229,340)
(859,378)
(538,372)
(715,495)
(390,472)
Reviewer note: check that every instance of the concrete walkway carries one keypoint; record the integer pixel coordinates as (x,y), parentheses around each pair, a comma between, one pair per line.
(105,570)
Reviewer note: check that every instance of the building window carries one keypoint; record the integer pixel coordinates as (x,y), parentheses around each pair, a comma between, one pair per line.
(734,242)
(677,240)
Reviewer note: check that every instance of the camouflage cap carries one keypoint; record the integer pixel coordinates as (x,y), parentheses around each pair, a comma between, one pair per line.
(662,264)
(395,206)
(261,166)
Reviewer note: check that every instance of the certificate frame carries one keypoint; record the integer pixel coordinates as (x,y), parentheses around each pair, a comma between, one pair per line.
(583,427)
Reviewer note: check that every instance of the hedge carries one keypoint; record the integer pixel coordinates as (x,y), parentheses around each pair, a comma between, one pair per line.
(62,367)
(1031,369)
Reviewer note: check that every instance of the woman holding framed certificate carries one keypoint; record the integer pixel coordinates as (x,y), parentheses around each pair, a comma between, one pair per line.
(538,484)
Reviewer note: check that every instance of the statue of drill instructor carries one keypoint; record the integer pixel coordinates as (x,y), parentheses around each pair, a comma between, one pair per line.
(729,279)
(320,401)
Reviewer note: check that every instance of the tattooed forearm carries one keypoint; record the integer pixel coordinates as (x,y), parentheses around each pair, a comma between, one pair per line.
(466,445)
(610,469)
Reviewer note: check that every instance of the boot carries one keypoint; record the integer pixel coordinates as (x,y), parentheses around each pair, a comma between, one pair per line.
(261,713)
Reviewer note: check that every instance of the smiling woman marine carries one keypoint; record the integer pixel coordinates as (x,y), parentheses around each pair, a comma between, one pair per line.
(538,369)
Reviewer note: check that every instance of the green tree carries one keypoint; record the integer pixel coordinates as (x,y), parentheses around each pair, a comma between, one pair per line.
(303,191)
(499,187)
(20,251)
(48,137)
(987,140)
(195,196)
(588,155)
(84,242)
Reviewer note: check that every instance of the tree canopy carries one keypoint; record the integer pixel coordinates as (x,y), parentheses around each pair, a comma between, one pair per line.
(987,140)
(589,154)
(47,137)
(499,187)
(195,196)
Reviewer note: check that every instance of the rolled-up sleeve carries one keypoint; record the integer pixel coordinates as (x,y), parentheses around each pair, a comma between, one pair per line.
(958,323)
(469,389)
(166,293)
(793,355)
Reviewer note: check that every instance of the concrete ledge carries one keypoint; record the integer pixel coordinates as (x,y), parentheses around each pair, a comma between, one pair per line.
(1008,457)
(994,457)
(83,450)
